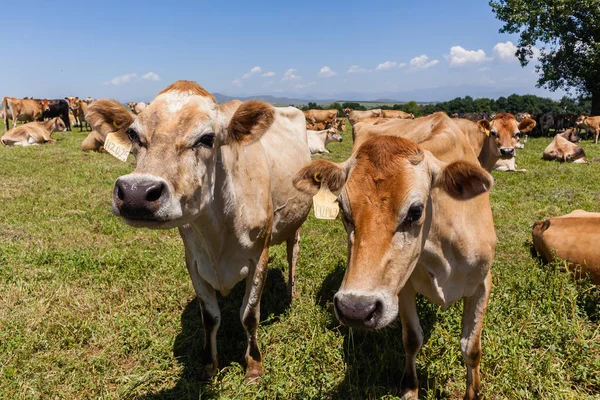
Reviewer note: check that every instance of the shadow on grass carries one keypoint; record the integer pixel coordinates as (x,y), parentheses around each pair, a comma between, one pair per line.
(231,337)
(375,359)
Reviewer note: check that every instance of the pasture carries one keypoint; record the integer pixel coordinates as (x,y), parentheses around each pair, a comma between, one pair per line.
(91,308)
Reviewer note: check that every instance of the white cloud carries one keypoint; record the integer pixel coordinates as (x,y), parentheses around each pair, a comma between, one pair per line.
(268,74)
(151,76)
(119,80)
(253,71)
(236,82)
(505,51)
(483,69)
(401,65)
(290,75)
(421,62)
(326,72)
(386,65)
(355,69)
(460,56)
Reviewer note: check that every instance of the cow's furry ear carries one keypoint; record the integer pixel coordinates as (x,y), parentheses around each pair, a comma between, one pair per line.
(108,116)
(484,126)
(463,180)
(309,179)
(249,122)
(527,125)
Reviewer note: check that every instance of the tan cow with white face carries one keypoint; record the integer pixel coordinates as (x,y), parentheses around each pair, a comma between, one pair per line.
(419,220)
(223,176)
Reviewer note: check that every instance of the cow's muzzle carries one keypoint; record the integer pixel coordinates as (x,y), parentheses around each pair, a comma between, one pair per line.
(358,311)
(139,197)
(507,152)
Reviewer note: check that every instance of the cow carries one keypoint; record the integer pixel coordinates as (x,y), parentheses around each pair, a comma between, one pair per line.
(58,108)
(340,124)
(137,107)
(314,116)
(26,110)
(591,124)
(223,177)
(415,206)
(546,122)
(33,133)
(562,149)
(397,114)
(356,116)
(574,238)
(319,126)
(78,108)
(318,140)
(563,121)
(496,139)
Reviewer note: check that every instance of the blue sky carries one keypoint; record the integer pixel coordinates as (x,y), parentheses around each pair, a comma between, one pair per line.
(131,50)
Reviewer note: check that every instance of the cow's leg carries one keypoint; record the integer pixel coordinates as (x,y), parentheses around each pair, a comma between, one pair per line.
(250,314)
(292,247)
(470,342)
(412,339)
(596,133)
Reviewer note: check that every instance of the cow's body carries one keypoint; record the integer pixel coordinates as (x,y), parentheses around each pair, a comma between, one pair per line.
(318,126)
(223,176)
(314,116)
(58,108)
(396,114)
(445,256)
(25,110)
(561,149)
(546,123)
(591,124)
(33,133)
(574,238)
(357,116)
(318,140)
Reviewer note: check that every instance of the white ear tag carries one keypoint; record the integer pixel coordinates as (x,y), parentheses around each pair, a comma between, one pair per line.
(117,146)
(325,203)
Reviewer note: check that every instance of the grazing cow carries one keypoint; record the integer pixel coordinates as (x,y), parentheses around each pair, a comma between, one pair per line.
(562,149)
(496,139)
(574,238)
(318,140)
(26,110)
(416,209)
(137,107)
(546,122)
(397,114)
(223,177)
(314,116)
(591,124)
(33,133)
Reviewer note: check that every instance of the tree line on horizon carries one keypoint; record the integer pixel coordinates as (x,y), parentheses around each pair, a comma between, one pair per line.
(513,104)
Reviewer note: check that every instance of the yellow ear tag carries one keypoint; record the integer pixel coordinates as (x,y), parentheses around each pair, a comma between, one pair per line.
(117,145)
(324,202)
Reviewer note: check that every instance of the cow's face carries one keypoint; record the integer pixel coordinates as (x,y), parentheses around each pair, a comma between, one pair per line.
(333,136)
(59,125)
(580,122)
(176,142)
(504,132)
(45,105)
(386,208)
(131,105)
(347,111)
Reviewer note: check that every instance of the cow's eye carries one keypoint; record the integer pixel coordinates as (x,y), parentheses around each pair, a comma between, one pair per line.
(132,135)
(207,141)
(414,214)
(494,133)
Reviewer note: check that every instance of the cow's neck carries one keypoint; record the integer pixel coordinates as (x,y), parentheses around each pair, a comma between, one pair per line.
(49,125)
(322,135)
(486,158)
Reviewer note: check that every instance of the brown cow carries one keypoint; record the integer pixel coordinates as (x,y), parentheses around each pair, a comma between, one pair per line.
(223,177)
(574,238)
(314,116)
(319,126)
(561,149)
(397,114)
(592,124)
(78,108)
(25,110)
(340,124)
(33,133)
(356,116)
(418,220)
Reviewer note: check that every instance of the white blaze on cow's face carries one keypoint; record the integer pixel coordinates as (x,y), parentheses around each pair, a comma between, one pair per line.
(386,208)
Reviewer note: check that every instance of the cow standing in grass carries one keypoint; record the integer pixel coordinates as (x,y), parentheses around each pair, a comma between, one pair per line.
(223,176)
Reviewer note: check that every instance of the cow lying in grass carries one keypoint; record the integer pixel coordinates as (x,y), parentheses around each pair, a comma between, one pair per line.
(318,140)
(33,133)
(561,149)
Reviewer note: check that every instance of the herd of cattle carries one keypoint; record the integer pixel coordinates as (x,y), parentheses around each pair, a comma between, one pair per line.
(236,178)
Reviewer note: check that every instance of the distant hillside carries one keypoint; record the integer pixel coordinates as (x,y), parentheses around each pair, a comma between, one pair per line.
(222,98)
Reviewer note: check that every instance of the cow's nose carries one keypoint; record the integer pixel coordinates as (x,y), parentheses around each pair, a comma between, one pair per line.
(358,311)
(507,151)
(136,197)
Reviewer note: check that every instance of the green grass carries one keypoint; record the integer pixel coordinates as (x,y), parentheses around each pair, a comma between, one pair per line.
(91,308)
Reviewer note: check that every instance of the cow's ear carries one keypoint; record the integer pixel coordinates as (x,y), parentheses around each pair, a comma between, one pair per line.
(310,178)
(484,126)
(249,122)
(108,116)
(460,179)
(527,125)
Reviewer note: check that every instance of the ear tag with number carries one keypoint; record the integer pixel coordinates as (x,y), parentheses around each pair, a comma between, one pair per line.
(324,202)
(117,145)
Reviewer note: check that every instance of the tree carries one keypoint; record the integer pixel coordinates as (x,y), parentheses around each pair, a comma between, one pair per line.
(570,33)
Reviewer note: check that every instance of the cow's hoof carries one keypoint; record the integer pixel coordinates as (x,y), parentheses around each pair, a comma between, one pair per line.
(253,376)
(207,372)
(410,394)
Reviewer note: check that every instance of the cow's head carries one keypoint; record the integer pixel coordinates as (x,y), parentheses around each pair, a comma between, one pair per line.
(176,142)
(504,131)
(347,111)
(131,105)
(580,122)
(59,125)
(332,136)
(45,105)
(384,195)
(74,103)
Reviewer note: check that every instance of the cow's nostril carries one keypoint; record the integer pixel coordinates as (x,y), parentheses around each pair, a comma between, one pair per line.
(120,192)
(154,192)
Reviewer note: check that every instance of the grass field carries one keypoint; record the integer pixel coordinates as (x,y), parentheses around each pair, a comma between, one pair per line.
(91,308)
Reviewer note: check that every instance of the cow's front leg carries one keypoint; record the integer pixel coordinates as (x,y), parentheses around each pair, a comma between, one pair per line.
(412,339)
(292,247)
(250,314)
(470,342)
